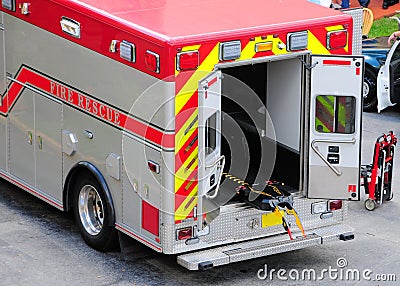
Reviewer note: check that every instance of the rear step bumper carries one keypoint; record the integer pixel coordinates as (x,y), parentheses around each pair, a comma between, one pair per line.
(205,259)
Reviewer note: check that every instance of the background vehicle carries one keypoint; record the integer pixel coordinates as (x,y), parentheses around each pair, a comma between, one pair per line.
(375,51)
(382,74)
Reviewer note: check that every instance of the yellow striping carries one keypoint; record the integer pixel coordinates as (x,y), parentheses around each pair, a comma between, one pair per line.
(248,51)
(327,102)
(188,127)
(334,28)
(324,128)
(182,174)
(315,45)
(183,210)
(193,83)
(191,48)
(275,48)
(180,141)
(186,49)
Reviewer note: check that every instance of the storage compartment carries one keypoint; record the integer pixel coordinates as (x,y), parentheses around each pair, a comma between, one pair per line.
(278,87)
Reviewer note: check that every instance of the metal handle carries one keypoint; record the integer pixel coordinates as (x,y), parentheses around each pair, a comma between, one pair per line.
(315,148)
(220,167)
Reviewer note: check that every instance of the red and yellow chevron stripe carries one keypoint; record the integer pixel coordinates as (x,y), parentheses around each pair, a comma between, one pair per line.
(186,108)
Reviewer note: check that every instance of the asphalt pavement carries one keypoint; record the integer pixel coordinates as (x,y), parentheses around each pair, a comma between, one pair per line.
(40,245)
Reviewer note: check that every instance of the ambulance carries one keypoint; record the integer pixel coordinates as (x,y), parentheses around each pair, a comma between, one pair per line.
(218,131)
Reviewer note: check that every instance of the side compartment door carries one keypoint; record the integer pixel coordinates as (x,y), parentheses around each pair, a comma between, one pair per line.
(388,80)
(209,151)
(335,127)
(3,81)
(48,146)
(21,133)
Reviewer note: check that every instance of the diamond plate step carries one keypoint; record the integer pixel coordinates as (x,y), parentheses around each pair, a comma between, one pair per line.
(205,259)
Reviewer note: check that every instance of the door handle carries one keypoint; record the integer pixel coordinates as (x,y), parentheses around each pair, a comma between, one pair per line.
(221,164)
(315,148)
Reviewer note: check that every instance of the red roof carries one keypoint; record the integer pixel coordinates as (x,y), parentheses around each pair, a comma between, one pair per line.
(172,20)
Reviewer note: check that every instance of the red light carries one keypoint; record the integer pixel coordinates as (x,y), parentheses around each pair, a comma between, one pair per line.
(152,61)
(337,39)
(187,60)
(153,166)
(335,205)
(184,233)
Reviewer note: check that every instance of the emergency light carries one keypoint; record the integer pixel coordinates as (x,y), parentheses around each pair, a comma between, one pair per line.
(263,47)
(184,233)
(297,41)
(320,207)
(230,50)
(336,39)
(187,60)
(71,27)
(127,51)
(152,61)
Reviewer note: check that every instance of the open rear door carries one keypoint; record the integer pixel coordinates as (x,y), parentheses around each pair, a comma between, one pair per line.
(211,163)
(335,127)
(388,81)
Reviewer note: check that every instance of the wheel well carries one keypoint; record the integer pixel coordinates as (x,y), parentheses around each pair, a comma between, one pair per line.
(79,170)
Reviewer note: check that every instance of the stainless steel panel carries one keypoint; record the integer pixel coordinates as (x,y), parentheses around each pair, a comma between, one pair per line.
(90,72)
(3,142)
(340,191)
(21,151)
(48,146)
(259,248)
(232,225)
(106,139)
(135,187)
(357,14)
(3,81)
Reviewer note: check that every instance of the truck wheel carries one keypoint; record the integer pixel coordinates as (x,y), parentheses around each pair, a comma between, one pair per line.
(92,214)
(370,100)
(370,204)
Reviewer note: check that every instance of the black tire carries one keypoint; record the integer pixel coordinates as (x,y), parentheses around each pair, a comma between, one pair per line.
(94,221)
(390,197)
(370,204)
(370,100)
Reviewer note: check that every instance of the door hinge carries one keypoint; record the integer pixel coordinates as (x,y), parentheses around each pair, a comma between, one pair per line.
(308,66)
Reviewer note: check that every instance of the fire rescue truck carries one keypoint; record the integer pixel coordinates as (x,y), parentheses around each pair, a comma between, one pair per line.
(217,130)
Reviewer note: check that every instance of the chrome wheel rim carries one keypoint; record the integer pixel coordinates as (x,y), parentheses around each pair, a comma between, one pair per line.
(365,89)
(91,210)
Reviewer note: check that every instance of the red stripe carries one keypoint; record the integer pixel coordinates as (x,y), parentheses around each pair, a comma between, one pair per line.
(211,82)
(182,78)
(182,155)
(336,62)
(30,190)
(182,190)
(117,226)
(321,34)
(187,111)
(88,104)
